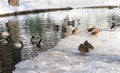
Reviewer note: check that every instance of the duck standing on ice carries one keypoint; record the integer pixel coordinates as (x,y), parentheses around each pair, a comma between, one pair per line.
(84,48)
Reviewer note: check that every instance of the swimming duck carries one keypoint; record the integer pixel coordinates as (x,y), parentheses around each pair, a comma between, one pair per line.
(39,44)
(3,41)
(112,26)
(92,29)
(36,41)
(18,45)
(4,34)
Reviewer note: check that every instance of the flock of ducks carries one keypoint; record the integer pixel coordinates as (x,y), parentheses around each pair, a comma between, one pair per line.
(86,46)
(34,40)
(83,48)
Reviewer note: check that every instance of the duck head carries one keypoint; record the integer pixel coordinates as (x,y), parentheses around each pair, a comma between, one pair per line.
(39,44)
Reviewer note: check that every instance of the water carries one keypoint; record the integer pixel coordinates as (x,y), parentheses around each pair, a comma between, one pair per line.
(22,30)
(43,25)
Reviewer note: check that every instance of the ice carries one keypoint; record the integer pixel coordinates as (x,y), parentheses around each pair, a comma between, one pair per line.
(40,4)
(66,58)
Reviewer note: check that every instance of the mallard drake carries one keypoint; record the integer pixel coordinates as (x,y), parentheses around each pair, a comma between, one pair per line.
(36,41)
(56,27)
(39,44)
(18,45)
(92,29)
(113,25)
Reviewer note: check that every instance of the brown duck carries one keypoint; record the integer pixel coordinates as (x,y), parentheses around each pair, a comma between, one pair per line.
(92,29)
(84,48)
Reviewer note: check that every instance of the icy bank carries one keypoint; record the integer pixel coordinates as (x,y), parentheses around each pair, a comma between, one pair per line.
(42,4)
(65,57)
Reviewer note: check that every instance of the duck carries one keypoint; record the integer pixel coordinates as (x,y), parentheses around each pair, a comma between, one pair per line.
(18,44)
(56,27)
(83,49)
(3,41)
(92,29)
(36,41)
(4,34)
(75,31)
(112,26)
(39,44)
(95,33)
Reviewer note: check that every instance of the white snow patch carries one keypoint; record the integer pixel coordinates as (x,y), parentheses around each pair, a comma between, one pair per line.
(65,57)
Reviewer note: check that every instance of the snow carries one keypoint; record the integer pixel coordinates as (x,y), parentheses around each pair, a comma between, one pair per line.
(40,4)
(65,57)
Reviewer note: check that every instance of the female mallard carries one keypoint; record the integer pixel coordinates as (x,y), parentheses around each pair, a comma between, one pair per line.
(4,34)
(95,33)
(83,49)
(18,44)
(75,31)
(92,29)
(3,41)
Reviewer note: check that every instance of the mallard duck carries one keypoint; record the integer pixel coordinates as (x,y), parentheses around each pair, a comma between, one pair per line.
(18,44)
(36,41)
(83,49)
(95,33)
(75,31)
(39,44)
(92,29)
(3,41)
(4,34)
(88,45)
(112,26)
(56,27)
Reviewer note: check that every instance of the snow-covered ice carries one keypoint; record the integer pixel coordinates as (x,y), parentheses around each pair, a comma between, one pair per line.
(40,4)
(65,57)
